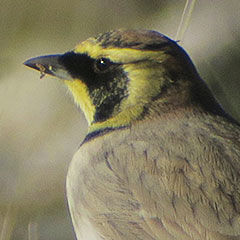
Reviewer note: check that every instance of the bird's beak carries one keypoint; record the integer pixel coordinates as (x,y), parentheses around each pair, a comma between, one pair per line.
(49,64)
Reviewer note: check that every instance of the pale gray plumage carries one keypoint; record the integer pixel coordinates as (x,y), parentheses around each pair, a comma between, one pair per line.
(161,160)
(169,177)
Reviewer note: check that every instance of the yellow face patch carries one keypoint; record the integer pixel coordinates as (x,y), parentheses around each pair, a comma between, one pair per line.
(81,97)
(117,55)
(143,71)
(143,78)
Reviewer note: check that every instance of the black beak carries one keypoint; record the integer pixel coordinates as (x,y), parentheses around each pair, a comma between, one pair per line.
(49,64)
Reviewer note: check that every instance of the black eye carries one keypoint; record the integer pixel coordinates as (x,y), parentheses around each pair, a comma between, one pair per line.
(102,64)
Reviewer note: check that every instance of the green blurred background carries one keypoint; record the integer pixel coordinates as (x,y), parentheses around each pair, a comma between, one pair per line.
(40,128)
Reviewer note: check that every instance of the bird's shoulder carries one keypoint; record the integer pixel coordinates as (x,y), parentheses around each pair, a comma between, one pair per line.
(171,142)
(173,169)
(181,168)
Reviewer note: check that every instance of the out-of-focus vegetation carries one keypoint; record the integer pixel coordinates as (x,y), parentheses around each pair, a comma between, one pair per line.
(40,128)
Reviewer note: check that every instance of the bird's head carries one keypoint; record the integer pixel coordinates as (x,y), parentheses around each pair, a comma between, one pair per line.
(116,77)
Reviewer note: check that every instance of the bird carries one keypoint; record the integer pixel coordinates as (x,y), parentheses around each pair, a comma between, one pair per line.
(161,159)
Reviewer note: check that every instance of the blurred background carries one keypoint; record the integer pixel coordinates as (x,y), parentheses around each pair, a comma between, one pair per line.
(40,128)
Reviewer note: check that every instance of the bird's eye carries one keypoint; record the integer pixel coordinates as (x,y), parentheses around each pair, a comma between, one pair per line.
(103,64)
